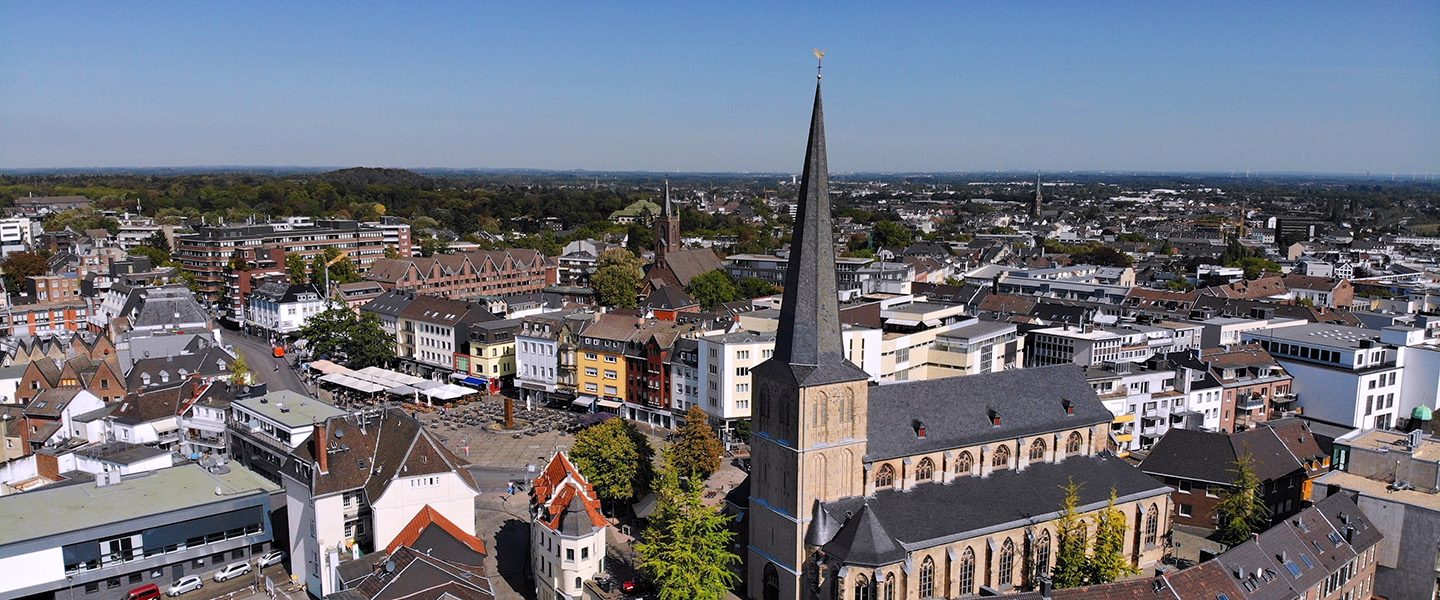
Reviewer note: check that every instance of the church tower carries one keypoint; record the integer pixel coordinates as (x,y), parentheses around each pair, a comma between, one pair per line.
(1035,202)
(667,228)
(809,434)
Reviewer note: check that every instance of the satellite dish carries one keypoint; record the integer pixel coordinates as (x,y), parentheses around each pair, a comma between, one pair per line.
(389,566)
(339,433)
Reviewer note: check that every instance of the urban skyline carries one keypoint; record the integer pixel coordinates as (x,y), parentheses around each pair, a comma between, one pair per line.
(1324,88)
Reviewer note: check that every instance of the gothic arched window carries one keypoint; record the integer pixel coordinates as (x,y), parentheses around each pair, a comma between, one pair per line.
(889,587)
(1037,449)
(1152,524)
(927,578)
(1001,458)
(925,471)
(1007,562)
(1075,441)
(885,477)
(967,572)
(965,464)
(771,583)
(1042,554)
(862,588)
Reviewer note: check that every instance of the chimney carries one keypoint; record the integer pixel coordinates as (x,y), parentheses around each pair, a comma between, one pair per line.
(994,417)
(318,439)
(1069,406)
(1047,589)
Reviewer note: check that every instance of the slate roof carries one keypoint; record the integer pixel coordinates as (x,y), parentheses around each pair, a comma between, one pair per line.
(434,309)
(390,304)
(213,362)
(50,403)
(386,447)
(1210,457)
(167,306)
(1329,534)
(419,576)
(881,528)
(669,298)
(956,411)
(155,404)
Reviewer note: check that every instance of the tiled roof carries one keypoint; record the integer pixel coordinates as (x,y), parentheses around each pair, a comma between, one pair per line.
(568,502)
(1209,456)
(428,520)
(369,456)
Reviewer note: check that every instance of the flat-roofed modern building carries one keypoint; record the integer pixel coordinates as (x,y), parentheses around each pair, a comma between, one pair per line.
(90,540)
(1345,375)
(265,429)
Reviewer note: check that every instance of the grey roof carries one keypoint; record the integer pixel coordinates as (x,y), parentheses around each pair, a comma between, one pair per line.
(808,341)
(55,510)
(928,514)
(123,453)
(167,306)
(668,297)
(1209,456)
(390,303)
(140,347)
(289,408)
(956,411)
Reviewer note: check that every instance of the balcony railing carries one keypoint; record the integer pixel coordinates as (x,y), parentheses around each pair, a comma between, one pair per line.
(1250,402)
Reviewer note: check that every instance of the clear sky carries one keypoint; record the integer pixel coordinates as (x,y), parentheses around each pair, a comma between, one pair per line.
(1348,87)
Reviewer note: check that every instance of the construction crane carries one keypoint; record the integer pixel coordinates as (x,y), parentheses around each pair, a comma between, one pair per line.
(328,264)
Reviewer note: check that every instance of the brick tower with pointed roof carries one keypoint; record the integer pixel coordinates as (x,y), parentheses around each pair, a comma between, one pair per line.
(808,440)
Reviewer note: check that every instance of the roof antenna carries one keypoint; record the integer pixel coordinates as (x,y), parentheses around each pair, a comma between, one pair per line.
(819,56)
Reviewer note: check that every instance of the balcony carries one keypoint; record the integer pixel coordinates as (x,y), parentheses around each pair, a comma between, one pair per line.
(1283,400)
(1250,402)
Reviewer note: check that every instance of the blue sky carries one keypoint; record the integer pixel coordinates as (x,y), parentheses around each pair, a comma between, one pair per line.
(1348,87)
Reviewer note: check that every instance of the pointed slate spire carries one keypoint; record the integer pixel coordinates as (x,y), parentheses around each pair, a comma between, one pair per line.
(665,209)
(809,333)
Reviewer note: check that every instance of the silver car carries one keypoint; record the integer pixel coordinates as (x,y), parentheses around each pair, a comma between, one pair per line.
(188,583)
(232,570)
(269,558)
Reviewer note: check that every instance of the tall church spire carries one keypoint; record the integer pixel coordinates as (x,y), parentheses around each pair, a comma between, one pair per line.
(665,208)
(1035,202)
(809,332)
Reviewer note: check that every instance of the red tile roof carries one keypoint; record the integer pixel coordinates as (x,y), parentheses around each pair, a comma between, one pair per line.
(425,518)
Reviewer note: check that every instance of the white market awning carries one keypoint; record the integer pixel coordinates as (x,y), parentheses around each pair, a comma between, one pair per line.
(608,404)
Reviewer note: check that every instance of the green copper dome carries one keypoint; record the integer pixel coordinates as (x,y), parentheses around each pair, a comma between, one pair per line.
(1421,412)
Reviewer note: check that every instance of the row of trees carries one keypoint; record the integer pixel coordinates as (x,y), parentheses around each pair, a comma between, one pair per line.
(339,331)
(685,550)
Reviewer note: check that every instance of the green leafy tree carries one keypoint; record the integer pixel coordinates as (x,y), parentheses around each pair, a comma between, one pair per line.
(431,246)
(1104,256)
(158,257)
(696,454)
(1109,563)
(1072,566)
(616,459)
(360,338)
(240,370)
(1243,510)
(755,287)
(20,265)
(617,277)
(686,548)
(712,289)
(1255,266)
(159,241)
(889,234)
(391,251)
(295,268)
(858,253)
(317,272)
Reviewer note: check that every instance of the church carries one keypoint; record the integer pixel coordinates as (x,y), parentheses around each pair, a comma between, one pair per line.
(928,489)
(674,265)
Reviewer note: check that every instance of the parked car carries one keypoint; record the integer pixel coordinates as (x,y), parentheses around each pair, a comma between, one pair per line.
(148,591)
(270,558)
(232,570)
(188,583)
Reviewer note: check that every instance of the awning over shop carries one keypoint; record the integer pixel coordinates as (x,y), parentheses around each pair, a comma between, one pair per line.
(582,402)
(474,381)
(326,367)
(608,404)
(166,426)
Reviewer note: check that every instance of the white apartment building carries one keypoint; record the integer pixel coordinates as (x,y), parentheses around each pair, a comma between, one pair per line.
(1146,402)
(687,385)
(537,358)
(1087,344)
(724,363)
(14,235)
(1346,375)
(280,308)
(358,483)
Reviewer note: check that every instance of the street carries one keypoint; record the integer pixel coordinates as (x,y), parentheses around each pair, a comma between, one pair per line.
(260,358)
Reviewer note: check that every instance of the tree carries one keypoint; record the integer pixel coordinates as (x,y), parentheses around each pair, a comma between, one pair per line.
(686,548)
(237,261)
(616,459)
(360,338)
(20,265)
(1255,266)
(755,287)
(1243,511)
(617,276)
(638,238)
(391,251)
(1104,256)
(696,454)
(295,268)
(158,241)
(430,246)
(317,272)
(889,234)
(1109,563)
(158,258)
(712,289)
(1179,284)
(1071,564)
(240,371)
